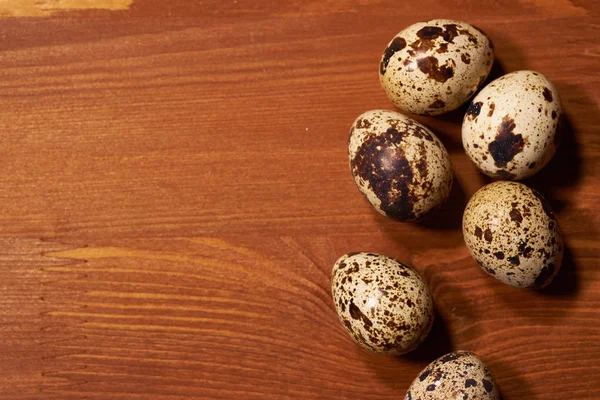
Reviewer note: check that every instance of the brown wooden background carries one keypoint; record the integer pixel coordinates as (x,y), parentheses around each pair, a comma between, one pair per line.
(175,189)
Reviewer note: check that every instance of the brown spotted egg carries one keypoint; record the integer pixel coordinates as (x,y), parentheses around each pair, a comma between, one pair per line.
(459,375)
(511,232)
(402,168)
(384,304)
(511,128)
(434,67)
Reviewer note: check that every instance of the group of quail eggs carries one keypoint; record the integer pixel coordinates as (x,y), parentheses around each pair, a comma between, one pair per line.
(510,131)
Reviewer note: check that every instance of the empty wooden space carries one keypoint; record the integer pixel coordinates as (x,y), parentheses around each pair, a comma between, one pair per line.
(175,190)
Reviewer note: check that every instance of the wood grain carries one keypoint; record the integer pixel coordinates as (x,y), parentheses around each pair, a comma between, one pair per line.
(175,190)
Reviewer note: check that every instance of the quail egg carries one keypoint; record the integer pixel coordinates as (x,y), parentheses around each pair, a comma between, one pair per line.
(384,304)
(458,375)
(434,67)
(402,168)
(512,127)
(513,235)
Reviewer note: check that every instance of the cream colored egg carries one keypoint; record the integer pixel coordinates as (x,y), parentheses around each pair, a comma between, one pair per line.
(434,67)
(512,126)
(402,168)
(454,376)
(384,304)
(511,232)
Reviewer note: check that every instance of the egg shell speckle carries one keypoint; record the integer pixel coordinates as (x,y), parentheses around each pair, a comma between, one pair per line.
(384,304)
(512,127)
(458,375)
(433,67)
(511,232)
(399,165)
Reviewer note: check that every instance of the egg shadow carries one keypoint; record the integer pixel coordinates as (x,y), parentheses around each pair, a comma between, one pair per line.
(449,137)
(565,283)
(449,215)
(519,387)
(559,295)
(388,369)
(564,170)
(435,345)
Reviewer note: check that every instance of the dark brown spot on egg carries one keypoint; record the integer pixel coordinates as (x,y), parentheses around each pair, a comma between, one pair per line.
(545,274)
(470,382)
(421,165)
(506,145)
(396,45)
(437,104)
(532,165)
(430,67)
(472,37)
(487,385)
(466,58)
(421,133)
(429,32)
(554,115)
(478,232)
(404,273)
(514,260)
(487,234)
(499,255)
(431,388)
(524,250)
(356,314)
(450,357)
(474,110)
(363,123)
(348,325)
(547,95)
(424,375)
(442,48)
(426,39)
(450,32)
(381,162)
(515,216)
(492,106)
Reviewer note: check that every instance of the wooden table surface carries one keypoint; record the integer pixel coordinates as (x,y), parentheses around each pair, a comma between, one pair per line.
(175,190)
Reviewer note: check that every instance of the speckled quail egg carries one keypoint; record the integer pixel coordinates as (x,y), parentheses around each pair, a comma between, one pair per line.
(511,128)
(402,168)
(434,67)
(459,375)
(384,304)
(511,232)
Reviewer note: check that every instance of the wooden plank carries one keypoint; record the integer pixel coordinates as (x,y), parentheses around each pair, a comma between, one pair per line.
(175,190)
